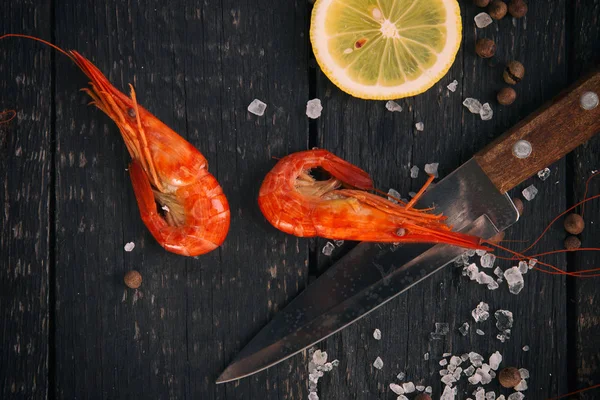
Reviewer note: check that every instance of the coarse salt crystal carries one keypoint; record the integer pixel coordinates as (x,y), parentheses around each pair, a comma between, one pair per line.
(377,334)
(314,108)
(394,387)
(378,363)
(393,106)
(328,249)
(257,107)
(129,246)
(530,192)
(453,85)
(432,169)
(414,172)
(419,126)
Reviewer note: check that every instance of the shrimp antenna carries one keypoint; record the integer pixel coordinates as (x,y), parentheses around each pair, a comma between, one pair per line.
(10,115)
(55,47)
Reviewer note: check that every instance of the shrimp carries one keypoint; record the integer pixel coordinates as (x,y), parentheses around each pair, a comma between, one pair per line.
(165,169)
(295,203)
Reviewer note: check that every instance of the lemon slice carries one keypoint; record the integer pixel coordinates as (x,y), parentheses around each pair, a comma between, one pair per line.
(385,49)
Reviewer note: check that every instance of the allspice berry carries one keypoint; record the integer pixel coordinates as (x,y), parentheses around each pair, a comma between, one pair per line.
(506,96)
(574,224)
(423,396)
(518,205)
(497,9)
(481,3)
(485,48)
(517,8)
(133,279)
(514,72)
(509,377)
(572,243)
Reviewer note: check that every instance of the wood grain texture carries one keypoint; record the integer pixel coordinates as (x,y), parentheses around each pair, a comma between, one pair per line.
(196,67)
(554,130)
(25,164)
(584,299)
(387,145)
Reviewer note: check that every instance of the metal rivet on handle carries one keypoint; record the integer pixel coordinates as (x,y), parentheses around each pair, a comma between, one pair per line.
(522,149)
(589,101)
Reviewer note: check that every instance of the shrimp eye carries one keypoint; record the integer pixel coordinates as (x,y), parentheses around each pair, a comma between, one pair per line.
(131,112)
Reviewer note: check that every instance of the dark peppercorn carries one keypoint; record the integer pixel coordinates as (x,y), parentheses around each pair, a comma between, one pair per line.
(497,9)
(574,224)
(514,72)
(485,48)
(517,8)
(506,96)
(572,242)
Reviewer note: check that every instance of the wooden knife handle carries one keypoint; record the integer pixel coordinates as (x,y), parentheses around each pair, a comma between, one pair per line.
(554,130)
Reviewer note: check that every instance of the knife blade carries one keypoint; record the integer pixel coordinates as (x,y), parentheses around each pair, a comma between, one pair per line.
(474,199)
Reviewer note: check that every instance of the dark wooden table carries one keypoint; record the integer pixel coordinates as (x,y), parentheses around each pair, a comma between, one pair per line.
(70,328)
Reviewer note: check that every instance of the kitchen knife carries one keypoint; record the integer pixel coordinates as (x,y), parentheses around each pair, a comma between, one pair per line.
(474,199)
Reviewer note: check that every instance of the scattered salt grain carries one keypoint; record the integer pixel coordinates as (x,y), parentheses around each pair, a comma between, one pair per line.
(514,279)
(480,253)
(455,361)
(495,360)
(493,285)
(490,396)
(393,195)
(426,356)
(470,371)
(479,393)
(129,246)
(525,348)
(444,372)
(402,397)
(377,334)
(501,397)
(474,379)
(530,192)
(432,169)
(401,376)
(485,279)
(313,396)
(414,172)
(393,106)
(328,249)
(448,393)
(378,363)
(320,357)
(419,126)
(446,354)
(486,113)
(476,359)
(396,388)
(544,174)
(521,386)
(314,108)
(408,387)
(338,243)
(452,86)
(429,389)
(464,357)
(499,273)
(448,379)
(257,107)
(480,332)
(523,267)
(412,194)
(481,312)
(464,329)
(488,260)
(443,362)
(516,396)
(420,388)
(524,373)
(504,320)
(472,104)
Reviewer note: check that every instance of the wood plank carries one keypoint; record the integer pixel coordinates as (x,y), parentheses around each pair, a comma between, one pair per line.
(584,364)
(384,144)
(196,67)
(25,192)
